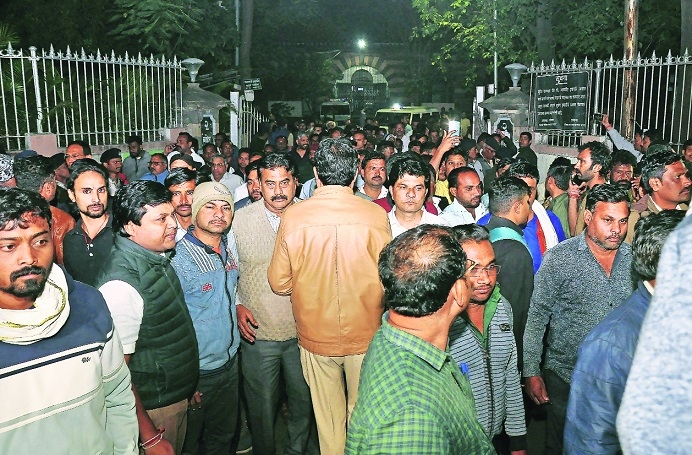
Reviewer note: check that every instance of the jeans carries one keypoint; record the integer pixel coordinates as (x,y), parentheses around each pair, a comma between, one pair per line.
(212,423)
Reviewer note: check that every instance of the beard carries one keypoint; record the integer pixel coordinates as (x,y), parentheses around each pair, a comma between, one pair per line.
(610,243)
(94,213)
(29,288)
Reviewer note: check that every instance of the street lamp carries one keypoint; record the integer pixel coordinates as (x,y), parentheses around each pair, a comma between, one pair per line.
(362,44)
(192,66)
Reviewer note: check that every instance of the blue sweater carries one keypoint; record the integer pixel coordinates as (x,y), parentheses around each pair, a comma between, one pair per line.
(69,393)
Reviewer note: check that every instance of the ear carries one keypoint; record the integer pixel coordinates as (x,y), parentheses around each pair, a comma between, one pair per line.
(516,207)
(129,228)
(453,191)
(459,295)
(70,194)
(588,216)
(596,168)
(655,183)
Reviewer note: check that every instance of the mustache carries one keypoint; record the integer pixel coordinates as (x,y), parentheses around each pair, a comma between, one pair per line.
(32,270)
(279,197)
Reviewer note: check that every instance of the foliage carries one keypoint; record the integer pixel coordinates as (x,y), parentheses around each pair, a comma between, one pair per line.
(535,30)
(8,36)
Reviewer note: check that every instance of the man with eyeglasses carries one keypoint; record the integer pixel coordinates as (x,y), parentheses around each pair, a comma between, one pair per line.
(158,169)
(481,342)
(219,173)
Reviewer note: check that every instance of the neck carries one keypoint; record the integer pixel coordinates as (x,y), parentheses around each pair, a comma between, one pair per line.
(507,216)
(476,312)
(93,226)
(665,205)
(11,302)
(604,256)
(433,328)
(184,221)
(113,175)
(300,151)
(372,191)
(596,180)
(471,210)
(208,238)
(408,219)
(275,211)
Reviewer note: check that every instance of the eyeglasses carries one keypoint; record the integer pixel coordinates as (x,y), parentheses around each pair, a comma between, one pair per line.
(156,163)
(475,271)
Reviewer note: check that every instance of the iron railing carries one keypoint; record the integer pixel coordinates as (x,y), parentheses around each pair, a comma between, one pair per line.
(98,98)
(662,95)
(245,121)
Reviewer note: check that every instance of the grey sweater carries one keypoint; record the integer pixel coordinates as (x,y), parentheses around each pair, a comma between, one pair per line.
(573,293)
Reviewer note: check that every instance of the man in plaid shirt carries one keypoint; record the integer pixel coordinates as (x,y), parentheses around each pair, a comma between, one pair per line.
(413,398)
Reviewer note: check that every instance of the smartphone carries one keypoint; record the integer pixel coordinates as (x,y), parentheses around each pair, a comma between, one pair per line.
(454,127)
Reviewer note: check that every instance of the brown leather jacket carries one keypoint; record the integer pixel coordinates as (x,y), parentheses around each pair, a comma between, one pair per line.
(326,256)
(62,224)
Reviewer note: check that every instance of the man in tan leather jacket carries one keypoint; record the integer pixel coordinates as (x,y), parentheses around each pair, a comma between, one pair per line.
(325,256)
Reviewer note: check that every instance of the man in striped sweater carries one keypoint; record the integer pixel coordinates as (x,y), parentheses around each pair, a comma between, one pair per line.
(482,343)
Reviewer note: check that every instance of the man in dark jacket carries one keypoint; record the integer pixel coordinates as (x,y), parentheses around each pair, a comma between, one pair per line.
(597,385)
(509,209)
(147,303)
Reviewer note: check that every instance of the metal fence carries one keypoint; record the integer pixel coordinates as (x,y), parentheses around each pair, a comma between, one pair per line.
(245,123)
(662,95)
(97,98)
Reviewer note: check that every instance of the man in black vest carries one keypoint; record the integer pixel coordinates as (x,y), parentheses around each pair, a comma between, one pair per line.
(147,303)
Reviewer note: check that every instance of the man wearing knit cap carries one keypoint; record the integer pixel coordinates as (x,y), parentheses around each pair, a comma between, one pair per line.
(6,173)
(208,272)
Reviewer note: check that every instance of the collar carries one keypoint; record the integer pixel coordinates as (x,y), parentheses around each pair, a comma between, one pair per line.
(416,346)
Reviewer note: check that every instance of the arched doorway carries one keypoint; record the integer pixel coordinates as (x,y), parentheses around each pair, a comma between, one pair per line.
(364,87)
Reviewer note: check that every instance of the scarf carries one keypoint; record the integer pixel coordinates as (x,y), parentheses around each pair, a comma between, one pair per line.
(545,223)
(44,320)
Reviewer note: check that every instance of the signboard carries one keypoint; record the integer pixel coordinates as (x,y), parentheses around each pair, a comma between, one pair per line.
(561,102)
(208,128)
(252,84)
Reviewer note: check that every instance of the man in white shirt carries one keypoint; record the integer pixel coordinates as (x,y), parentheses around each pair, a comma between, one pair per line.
(410,179)
(466,189)
(373,170)
(220,174)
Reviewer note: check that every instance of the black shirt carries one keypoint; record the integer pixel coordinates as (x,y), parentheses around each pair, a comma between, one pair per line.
(84,257)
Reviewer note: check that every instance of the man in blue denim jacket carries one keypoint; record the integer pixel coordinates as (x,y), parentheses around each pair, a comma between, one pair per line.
(605,355)
(208,273)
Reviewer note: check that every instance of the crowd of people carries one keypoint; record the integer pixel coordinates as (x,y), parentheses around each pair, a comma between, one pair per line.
(385,290)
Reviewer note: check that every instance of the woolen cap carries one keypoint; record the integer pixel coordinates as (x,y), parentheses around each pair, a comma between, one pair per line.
(207,192)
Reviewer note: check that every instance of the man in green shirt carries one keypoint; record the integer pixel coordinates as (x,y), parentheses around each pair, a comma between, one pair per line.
(413,398)
(556,184)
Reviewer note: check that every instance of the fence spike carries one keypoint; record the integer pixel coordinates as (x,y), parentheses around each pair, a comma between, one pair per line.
(98,54)
(113,56)
(139,57)
(51,51)
(68,54)
(83,54)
